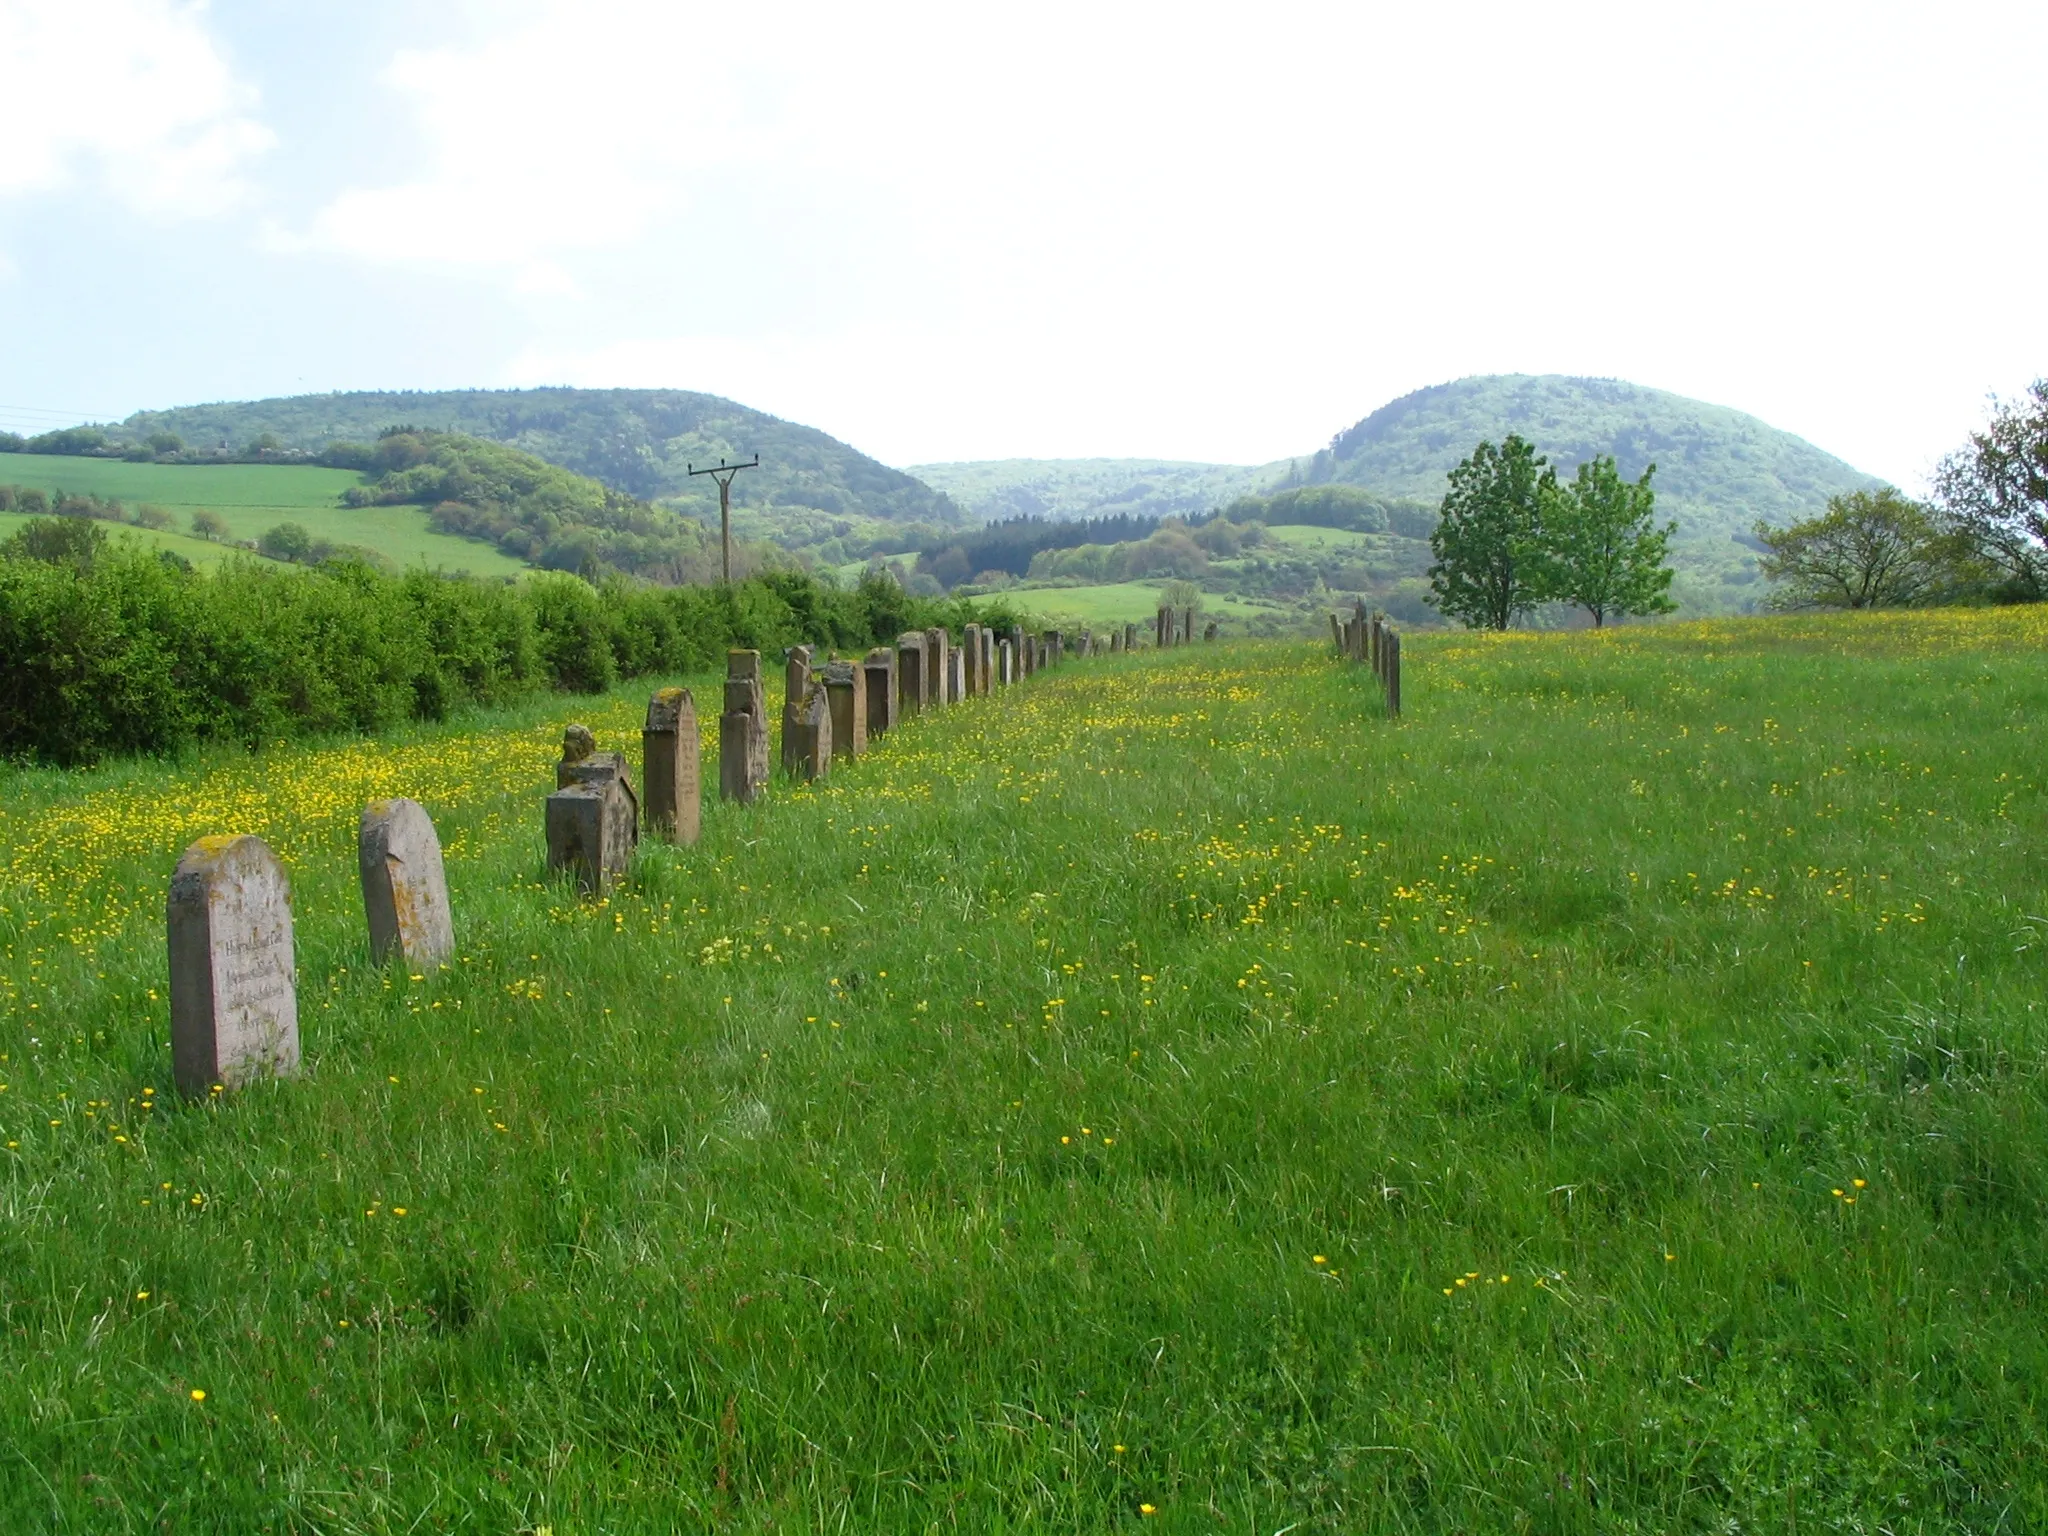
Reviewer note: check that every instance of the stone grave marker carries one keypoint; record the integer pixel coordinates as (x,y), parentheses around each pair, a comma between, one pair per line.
(810,728)
(956,676)
(1003,664)
(1130,637)
(743,730)
(846,686)
(1209,630)
(880,670)
(911,672)
(669,766)
(234,994)
(938,646)
(796,691)
(584,827)
(970,647)
(405,886)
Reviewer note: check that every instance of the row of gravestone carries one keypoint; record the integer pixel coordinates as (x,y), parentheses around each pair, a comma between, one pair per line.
(1372,640)
(234,999)
(1176,626)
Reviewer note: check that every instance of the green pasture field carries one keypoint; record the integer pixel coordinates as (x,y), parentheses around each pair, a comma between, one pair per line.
(1122,602)
(1167,1096)
(254,498)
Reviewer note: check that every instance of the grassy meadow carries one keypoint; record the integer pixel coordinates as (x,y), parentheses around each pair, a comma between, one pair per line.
(1167,1096)
(1122,602)
(252,499)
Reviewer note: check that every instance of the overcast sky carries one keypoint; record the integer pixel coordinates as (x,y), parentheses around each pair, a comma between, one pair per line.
(958,231)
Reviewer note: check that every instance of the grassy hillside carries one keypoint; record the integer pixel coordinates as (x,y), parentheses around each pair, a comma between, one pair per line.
(1170,1095)
(635,440)
(253,498)
(1124,602)
(1081,488)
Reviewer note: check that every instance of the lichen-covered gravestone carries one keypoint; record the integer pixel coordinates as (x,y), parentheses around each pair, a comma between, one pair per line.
(742,730)
(405,887)
(234,998)
(912,671)
(880,672)
(669,768)
(846,686)
(796,691)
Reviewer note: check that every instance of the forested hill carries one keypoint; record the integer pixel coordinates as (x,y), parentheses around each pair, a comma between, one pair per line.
(1718,470)
(634,440)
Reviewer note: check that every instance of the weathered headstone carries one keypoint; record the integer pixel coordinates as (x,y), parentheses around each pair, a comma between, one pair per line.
(1004,674)
(1164,635)
(970,647)
(796,692)
(1337,633)
(880,672)
(956,676)
(1116,641)
(1209,630)
(586,824)
(1187,626)
(911,672)
(938,646)
(846,685)
(742,730)
(1130,637)
(234,997)
(405,887)
(1393,673)
(810,733)
(669,766)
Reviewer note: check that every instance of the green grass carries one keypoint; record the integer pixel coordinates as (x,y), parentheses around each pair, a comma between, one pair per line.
(1092,1100)
(1123,602)
(254,498)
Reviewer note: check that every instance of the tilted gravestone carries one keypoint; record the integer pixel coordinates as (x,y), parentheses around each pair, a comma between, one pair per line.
(880,670)
(810,731)
(405,886)
(743,730)
(847,687)
(911,672)
(234,998)
(669,766)
(796,690)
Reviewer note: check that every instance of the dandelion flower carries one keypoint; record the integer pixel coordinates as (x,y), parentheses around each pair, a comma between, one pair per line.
(198,1396)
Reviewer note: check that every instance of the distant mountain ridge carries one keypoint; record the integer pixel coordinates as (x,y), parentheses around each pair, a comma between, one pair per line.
(1075,489)
(635,440)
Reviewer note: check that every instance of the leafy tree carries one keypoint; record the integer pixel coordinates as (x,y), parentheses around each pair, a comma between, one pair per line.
(287,541)
(1488,540)
(1179,595)
(1871,549)
(208,524)
(149,515)
(165,442)
(1601,550)
(1995,492)
(70,541)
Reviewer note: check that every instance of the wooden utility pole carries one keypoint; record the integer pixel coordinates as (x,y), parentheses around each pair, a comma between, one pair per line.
(723,472)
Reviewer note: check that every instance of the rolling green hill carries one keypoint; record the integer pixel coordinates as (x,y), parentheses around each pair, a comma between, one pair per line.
(254,498)
(635,440)
(1718,470)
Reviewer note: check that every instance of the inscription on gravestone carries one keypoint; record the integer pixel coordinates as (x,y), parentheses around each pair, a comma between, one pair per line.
(234,1000)
(670,766)
(405,887)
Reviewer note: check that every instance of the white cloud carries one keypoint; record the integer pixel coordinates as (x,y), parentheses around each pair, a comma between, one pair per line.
(1203,231)
(132,88)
